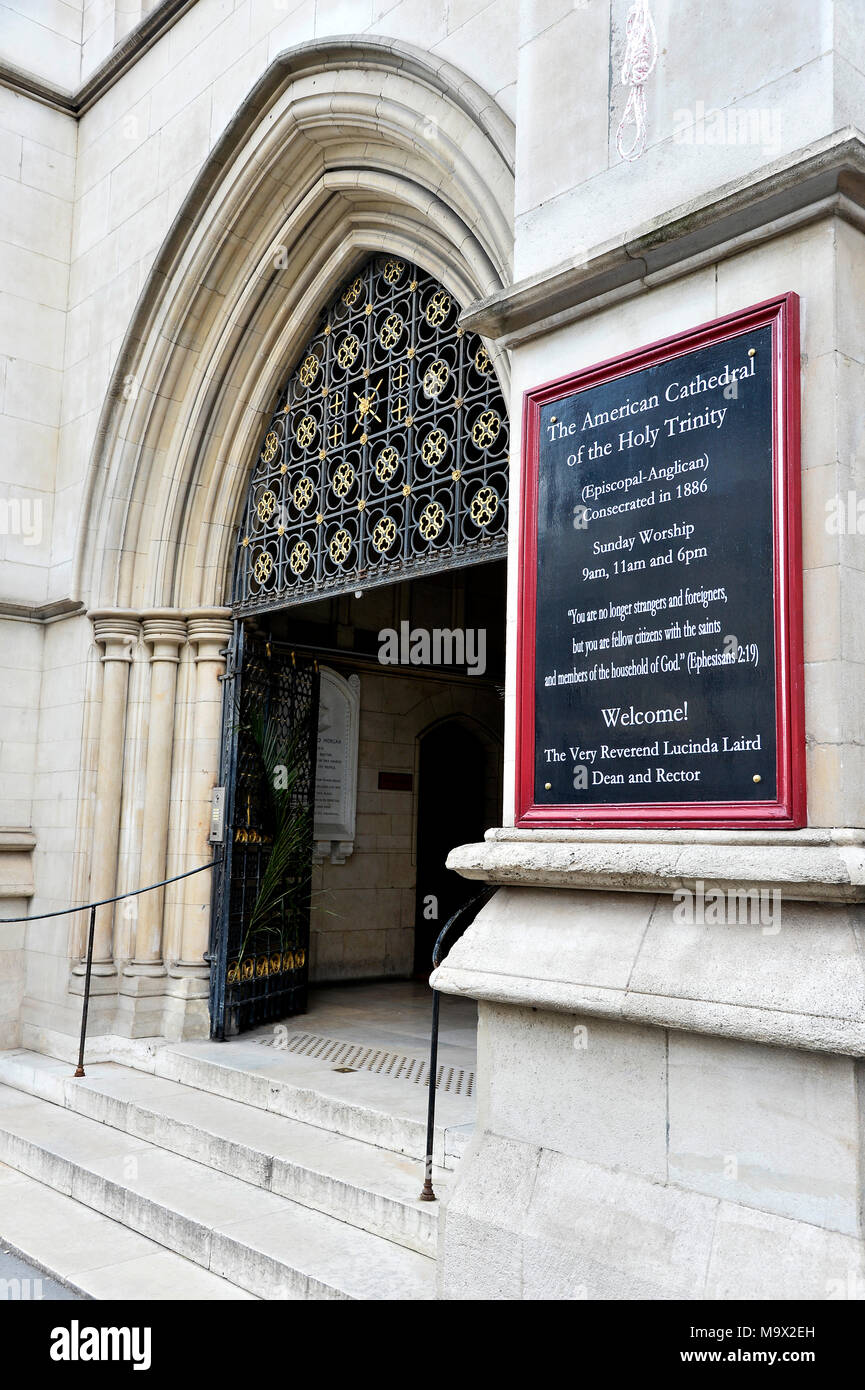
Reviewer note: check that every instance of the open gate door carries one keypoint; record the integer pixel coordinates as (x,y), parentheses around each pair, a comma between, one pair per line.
(261,903)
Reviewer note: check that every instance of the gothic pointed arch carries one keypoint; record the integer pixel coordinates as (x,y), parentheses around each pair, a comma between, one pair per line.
(343,151)
(387,454)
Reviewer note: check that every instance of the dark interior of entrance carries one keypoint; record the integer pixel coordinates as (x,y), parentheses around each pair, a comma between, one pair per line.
(429,763)
(453,774)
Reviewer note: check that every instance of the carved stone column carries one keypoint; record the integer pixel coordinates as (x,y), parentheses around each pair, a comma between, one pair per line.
(209,631)
(117,630)
(164,632)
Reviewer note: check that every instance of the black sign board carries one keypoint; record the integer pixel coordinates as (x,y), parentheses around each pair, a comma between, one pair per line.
(660,655)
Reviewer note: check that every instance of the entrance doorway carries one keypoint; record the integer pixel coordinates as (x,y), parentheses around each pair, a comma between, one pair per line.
(453,805)
(377,505)
(428,778)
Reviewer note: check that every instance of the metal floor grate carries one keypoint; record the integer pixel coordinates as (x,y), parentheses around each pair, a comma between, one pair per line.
(358,1057)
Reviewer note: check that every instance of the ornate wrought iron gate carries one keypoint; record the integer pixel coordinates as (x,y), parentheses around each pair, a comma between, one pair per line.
(260,927)
(386,459)
(387,455)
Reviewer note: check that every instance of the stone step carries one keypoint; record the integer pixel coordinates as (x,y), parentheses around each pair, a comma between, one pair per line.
(94,1255)
(376,1110)
(368,1187)
(265,1243)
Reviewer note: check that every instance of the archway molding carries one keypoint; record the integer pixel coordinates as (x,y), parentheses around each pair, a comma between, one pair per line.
(341,150)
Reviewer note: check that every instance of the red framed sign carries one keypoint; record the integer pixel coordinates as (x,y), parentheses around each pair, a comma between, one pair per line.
(660,676)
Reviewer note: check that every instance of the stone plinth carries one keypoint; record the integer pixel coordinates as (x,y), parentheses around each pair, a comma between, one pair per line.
(666,1110)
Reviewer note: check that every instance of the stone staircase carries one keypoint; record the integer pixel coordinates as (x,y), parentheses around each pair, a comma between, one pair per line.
(215,1181)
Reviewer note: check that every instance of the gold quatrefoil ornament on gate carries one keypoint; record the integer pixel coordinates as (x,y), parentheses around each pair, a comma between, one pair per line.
(353,293)
(391,331)
(340,547)
(342,479)
(393,270)
(299,557)
(435,378)
(434,447)
(271,444)
(306,431)
(484,506)
(309,369)
(432,519)
(303,493)
(384,534)
(486,428)
(263,565)
(266,505)
(438,308)
(386,463)
(346,353)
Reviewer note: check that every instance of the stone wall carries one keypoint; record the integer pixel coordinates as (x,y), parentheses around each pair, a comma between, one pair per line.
(664,1112)
(37,188)
(45,38)
(718,109)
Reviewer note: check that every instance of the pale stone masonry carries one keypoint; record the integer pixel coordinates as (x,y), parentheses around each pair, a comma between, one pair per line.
(183,186)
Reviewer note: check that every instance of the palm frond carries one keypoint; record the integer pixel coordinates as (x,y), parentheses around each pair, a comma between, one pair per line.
(288,870)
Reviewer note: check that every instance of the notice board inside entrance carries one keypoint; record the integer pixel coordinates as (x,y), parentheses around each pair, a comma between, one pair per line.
(660,656)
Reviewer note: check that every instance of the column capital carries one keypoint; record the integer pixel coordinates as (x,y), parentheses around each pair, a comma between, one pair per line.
(117,629)
(164,631)
(210,631)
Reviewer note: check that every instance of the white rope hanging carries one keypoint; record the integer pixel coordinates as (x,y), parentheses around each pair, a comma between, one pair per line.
(641,54)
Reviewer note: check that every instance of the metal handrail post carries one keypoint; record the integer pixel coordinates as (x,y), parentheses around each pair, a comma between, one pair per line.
(427,1193)
(79,1070)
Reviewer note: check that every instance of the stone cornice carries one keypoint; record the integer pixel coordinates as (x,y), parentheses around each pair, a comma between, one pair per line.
(825,179)
(13,840)
(116,65)
(806,865)
(16,862)
(795,979)
(40,612)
